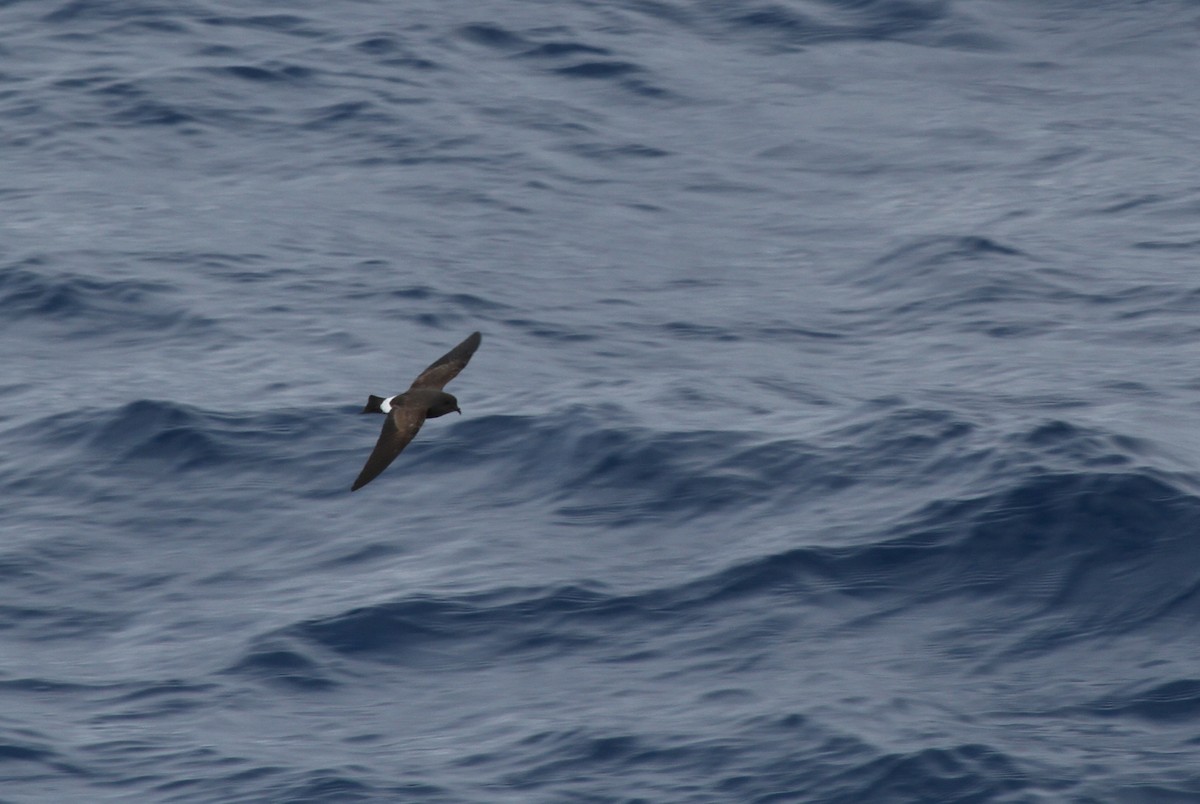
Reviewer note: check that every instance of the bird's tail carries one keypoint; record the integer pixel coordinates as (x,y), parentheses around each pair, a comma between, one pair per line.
(374,404)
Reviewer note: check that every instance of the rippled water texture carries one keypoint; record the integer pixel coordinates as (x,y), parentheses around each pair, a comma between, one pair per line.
(832,439)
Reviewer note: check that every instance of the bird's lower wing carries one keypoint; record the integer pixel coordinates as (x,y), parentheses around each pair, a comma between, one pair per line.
(399,428)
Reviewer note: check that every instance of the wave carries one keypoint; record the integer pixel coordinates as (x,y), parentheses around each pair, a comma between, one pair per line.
(1056,559)
(596,464)
(156,435)
(1065,532)
(162,444)
(90,307)
(980,284)
(817,22)
(1049,539)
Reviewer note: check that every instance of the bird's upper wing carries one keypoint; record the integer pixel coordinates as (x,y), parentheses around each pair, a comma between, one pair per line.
(446,367)
(400,426)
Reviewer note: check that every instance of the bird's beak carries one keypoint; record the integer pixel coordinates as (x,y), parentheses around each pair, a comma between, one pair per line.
(458,411)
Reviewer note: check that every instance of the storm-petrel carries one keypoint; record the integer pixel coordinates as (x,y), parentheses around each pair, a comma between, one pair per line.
(406,412)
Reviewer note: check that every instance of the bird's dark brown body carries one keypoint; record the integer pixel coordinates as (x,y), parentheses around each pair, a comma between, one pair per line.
(406,412)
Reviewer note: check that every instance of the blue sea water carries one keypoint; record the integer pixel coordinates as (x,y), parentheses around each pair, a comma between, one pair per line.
(835,435)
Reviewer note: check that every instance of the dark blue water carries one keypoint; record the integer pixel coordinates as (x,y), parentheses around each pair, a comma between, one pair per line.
(835,435)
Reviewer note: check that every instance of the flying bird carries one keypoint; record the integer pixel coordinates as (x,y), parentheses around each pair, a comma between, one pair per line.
(406,412)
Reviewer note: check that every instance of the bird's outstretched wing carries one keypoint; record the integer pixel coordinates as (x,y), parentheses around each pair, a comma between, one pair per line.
(446,367)
(399,428)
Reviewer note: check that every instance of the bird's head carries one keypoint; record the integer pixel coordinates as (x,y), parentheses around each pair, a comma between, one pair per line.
(442,404)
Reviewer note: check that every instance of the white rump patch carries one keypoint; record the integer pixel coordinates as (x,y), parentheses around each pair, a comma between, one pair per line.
(386,405)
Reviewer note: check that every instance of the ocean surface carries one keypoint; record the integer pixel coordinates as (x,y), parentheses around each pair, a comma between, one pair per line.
(835,435)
